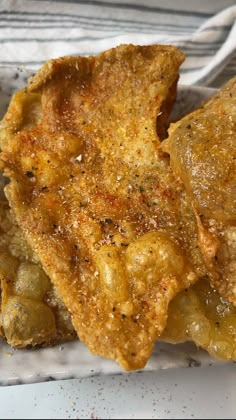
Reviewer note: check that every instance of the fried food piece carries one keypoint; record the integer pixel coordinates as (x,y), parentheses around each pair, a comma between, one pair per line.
(97,200)
(31,311)
(201,315)
(202,148)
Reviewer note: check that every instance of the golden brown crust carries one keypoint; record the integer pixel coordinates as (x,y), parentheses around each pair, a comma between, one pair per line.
(201,315)
(97,200)
(202,150)
(31,312)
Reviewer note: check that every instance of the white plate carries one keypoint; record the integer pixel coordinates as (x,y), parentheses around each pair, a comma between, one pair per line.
(73,360)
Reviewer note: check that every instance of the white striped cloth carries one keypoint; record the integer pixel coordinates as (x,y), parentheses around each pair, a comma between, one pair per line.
(32,31)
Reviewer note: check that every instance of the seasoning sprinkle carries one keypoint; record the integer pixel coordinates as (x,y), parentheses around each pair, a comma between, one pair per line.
(29,174)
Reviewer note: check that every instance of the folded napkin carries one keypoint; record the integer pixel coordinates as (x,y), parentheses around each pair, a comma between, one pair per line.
(33,31)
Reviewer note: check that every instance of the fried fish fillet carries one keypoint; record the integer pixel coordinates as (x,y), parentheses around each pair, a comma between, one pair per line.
(31,311)
(202,148)
(201,315)
(96,198)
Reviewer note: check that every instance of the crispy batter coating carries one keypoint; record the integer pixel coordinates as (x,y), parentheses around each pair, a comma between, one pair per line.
(31,311)
(201,315)
(202,149)
(97,199)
